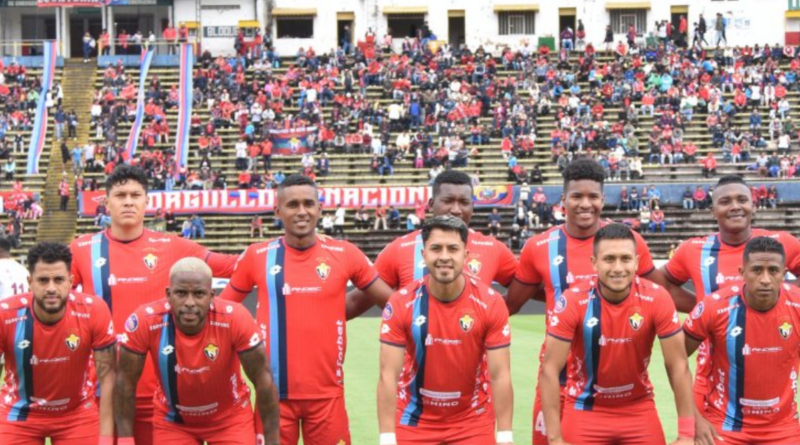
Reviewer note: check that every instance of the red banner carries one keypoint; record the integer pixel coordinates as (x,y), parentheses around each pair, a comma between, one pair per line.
(261,201)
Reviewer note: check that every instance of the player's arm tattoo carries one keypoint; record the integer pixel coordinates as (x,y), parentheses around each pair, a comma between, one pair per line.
(105,361)
(254,362)
(130,369)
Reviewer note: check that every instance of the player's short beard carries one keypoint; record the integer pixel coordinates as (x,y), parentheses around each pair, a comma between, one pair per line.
(51,311)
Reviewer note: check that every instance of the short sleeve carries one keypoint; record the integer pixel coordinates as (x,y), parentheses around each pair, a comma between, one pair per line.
(564,321)
(792,247)
(362,274)
(393,329)
(506,262)
(103,334)
(242,279)
(136,335)
(221,265)
(645,258)
(498,335)
(386,265)
(666,317)
(697,323)
(526,269)
(678,265)
(244,330)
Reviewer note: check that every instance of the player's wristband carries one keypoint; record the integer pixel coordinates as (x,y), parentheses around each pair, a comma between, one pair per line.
(106,440)
(126,441)
(388,439)
(686,427)
(505,437)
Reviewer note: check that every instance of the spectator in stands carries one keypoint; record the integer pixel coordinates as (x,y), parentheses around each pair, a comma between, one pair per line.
(327,224)
(635,199)
(198,227)
(63,192)
(644,217)
(653,197)
(412,222)
(709,165)
(688,199)
(256,224)
(394,217)
(762,165)
(323,165)
(719,26)
(72,124)
(338,220)
(170,36)
(495,222)
(172,222)
(380,217)
(657,220)
(60,119)
(362,218)
(772,196)
(89,44)
(624,199)
(763,197)
(700,198)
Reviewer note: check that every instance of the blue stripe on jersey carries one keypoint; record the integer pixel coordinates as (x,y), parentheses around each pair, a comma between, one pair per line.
(419,333)
(557,255)
(420,269)
(591,351)
(101,274)
(167,360)
(709,264)
(734,343)
(23,352)
(276,269)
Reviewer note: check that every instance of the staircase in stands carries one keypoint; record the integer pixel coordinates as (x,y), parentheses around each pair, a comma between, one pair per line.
(76,82)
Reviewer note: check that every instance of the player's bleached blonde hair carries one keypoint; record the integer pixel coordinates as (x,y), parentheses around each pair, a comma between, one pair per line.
(190,265)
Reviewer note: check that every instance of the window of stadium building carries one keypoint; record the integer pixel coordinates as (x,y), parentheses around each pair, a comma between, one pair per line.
(515,22)
(295,27)
(405,25)
(621,19)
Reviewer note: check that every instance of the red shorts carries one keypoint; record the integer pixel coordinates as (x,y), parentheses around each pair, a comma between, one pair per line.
(475,432)
(636,424)
(235,428)
(322,421)
(81,426)
(143,423)
(773,435)
(539,429)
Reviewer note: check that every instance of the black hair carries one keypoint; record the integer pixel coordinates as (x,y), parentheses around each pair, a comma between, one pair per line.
(49,253)
(295,180)
(612,232)
(447,223)
(731,179)
(584,169)
(5,245)
(454,177)
(124,173)
(763,244)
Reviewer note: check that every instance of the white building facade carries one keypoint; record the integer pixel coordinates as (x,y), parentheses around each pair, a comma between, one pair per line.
(320,24)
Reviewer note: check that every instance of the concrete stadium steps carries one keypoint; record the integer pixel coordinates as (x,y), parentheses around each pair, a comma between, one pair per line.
(231,233)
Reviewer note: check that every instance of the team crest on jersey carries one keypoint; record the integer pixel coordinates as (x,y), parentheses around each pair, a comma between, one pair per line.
(785,330)
(150,261)
(73,341)
(561,304)
(132,323)
(474,266)
(636,321)
(466,322)
(323,271)
(211,351)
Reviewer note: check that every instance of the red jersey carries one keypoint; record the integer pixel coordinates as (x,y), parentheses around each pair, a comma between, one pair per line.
(754,361)
(559,260)
(47,366)
(301,310)
(128,274)
(451,383)
(401,263)
(611,343)
(709,263)
(199,376)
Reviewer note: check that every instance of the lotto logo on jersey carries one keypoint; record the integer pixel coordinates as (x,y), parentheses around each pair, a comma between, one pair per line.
(474,266)
(558,260)
(785,330)
(211,351)
(636,321)
(466,322)
(73,341)
(151,261)
(323,271)
(100,262)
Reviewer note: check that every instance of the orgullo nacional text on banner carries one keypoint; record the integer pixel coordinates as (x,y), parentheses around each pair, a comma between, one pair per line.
(187,202)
